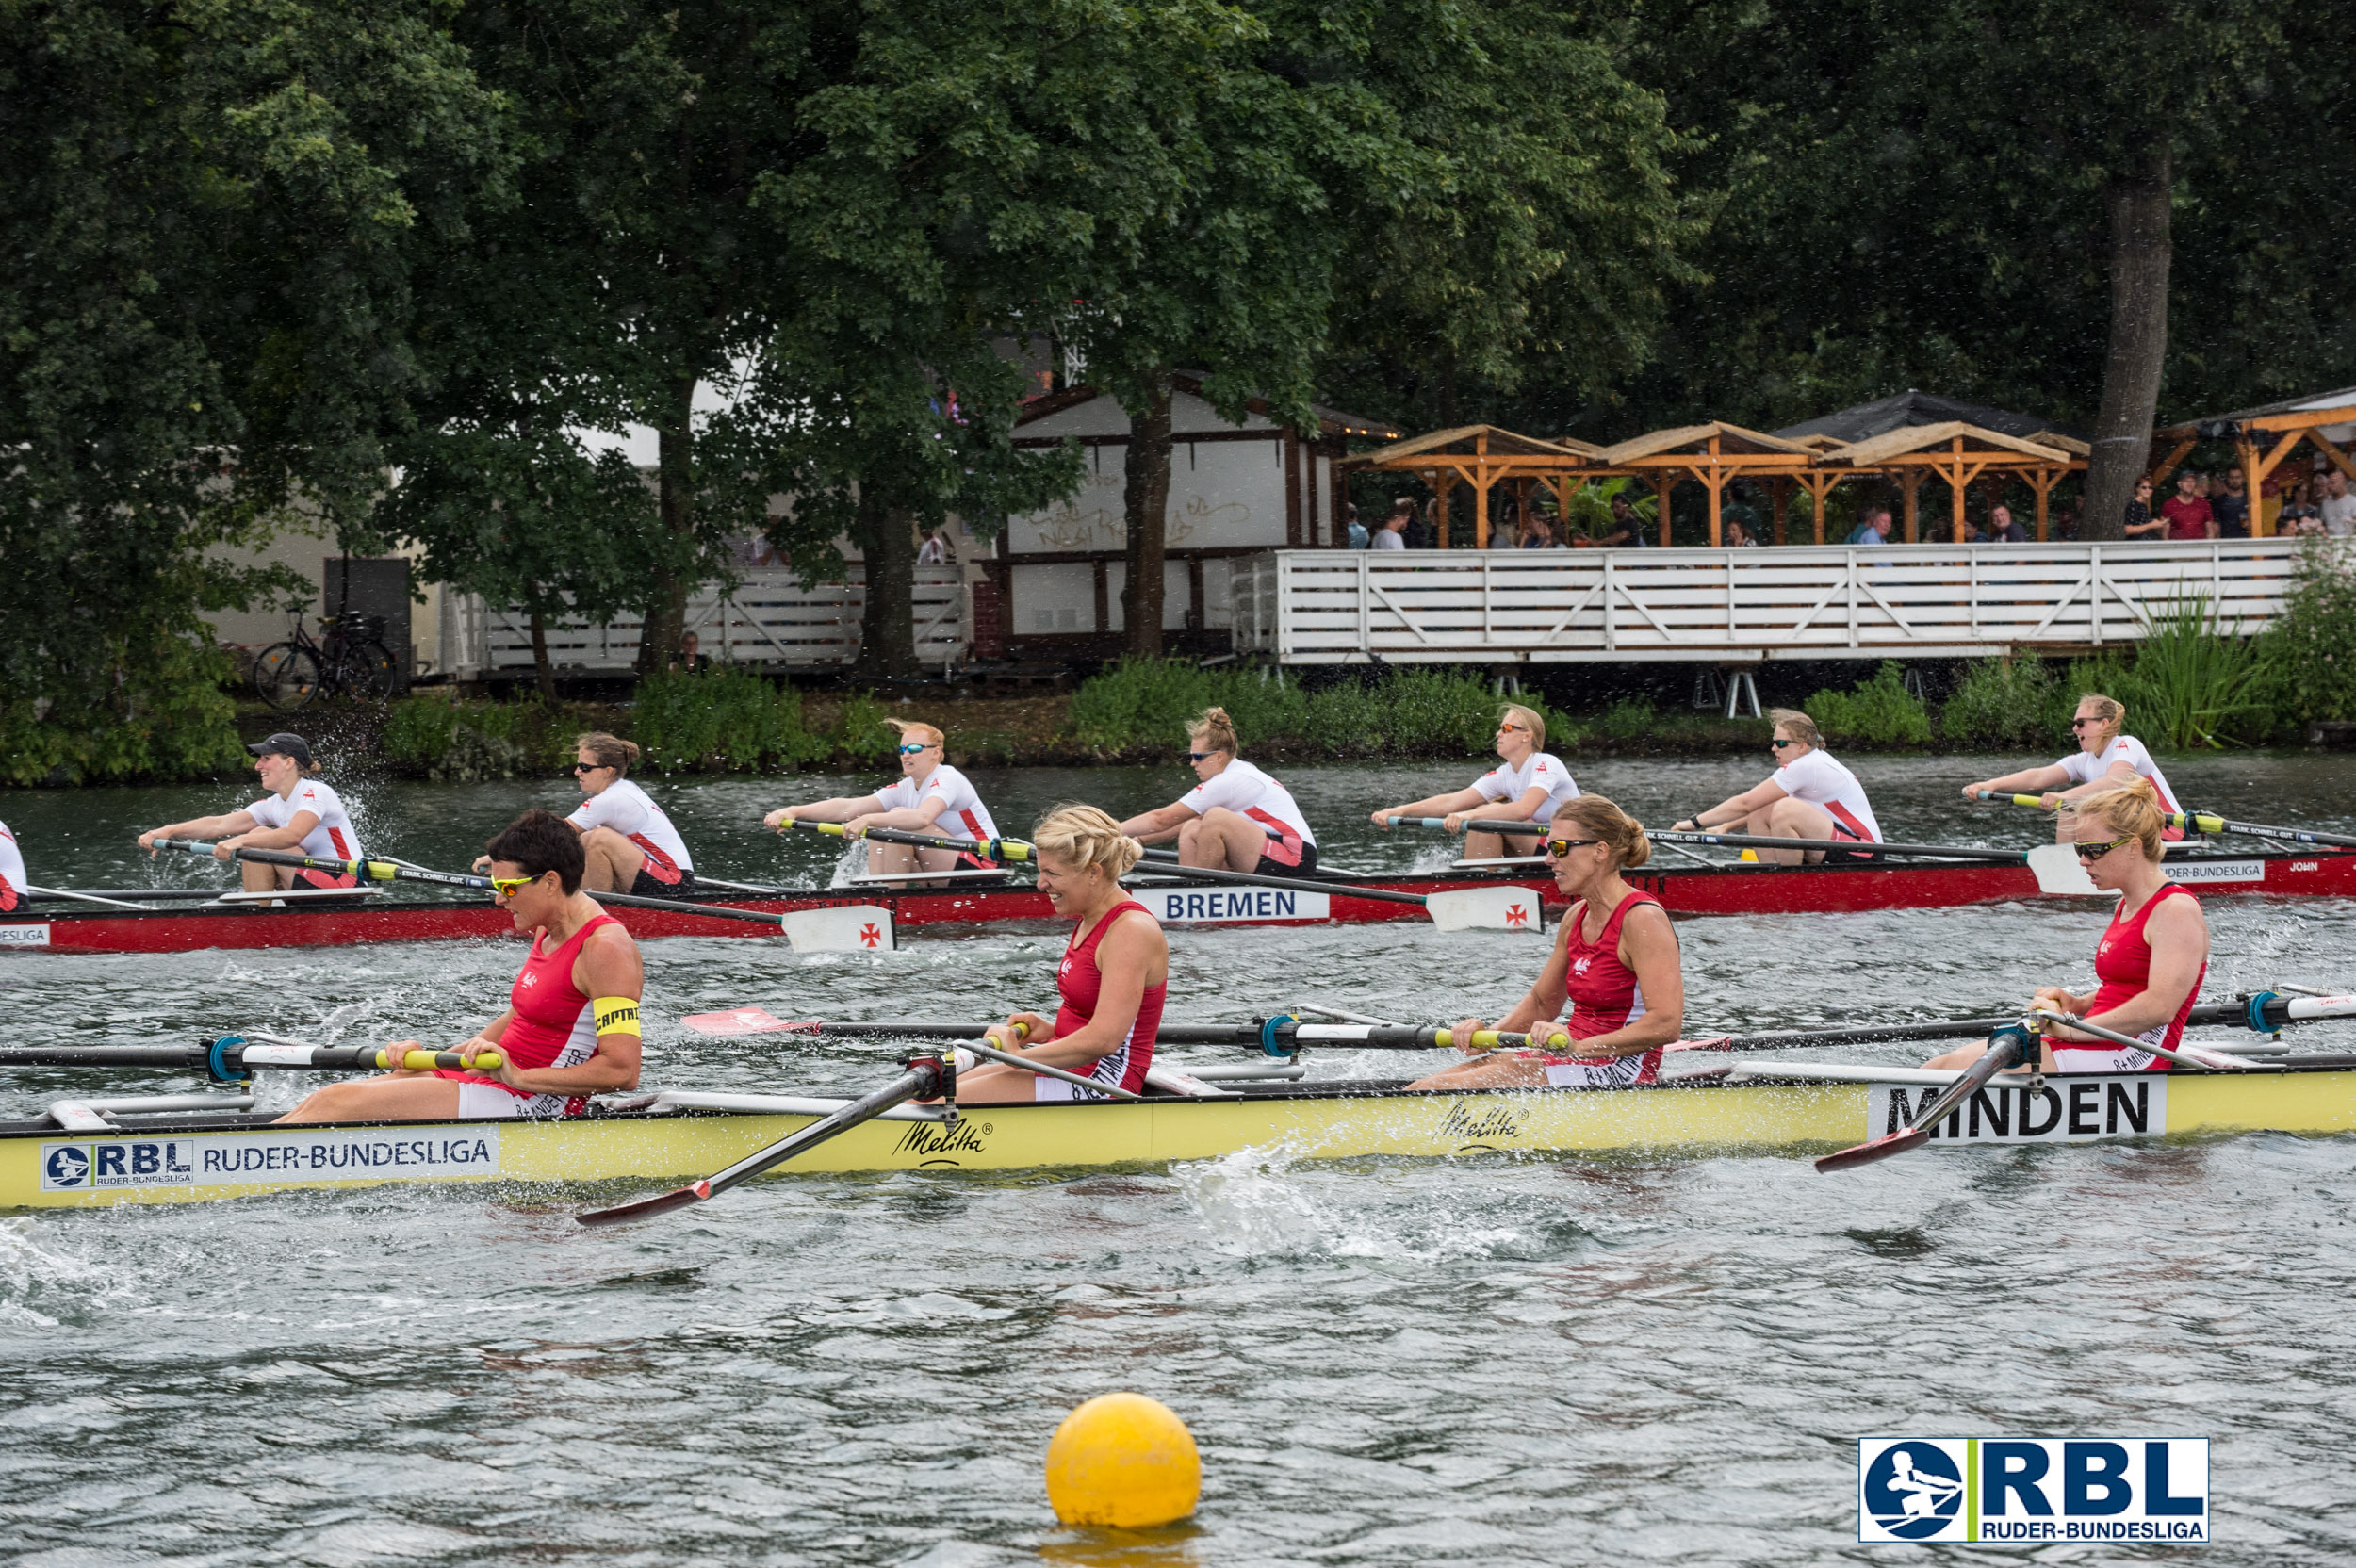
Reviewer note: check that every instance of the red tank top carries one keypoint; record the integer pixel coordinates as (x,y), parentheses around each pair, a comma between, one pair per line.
(555,1024)
(2122,961)
(1604,995)
(1080,983)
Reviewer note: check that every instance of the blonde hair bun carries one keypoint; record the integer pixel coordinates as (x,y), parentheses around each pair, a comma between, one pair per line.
(1086,835)
(1596,817)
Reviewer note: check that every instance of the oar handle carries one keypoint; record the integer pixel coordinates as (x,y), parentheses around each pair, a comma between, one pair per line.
(989,849)
(2007,798)
(1472,825)
(1860,846)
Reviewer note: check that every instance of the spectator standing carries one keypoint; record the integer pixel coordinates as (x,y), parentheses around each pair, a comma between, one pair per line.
(934,551)
(1358,539)
(2140,523)
(2298,514)
(692,659)
(2187,511)
(2229,503)
(1392,535)
(1737,537)
(2000,528)
(1422,532)
(1628,529)
(2337,507)
(1874,530)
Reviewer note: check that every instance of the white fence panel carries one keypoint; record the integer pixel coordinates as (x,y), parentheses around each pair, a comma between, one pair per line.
(1312,607)
(768,621)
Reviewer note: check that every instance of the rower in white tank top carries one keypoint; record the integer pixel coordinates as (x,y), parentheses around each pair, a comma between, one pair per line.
(1528,784)
(2105,760)
(12,883)
(1810,795)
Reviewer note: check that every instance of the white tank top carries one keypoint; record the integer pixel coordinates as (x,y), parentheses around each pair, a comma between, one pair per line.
(1241,787)
(1539,770)
(332,840)
(966,815)
(1821,781)
(626,808)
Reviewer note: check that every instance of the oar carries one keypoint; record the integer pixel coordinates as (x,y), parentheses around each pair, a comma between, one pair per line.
(1860,846)
(1473,824)
(90,898)
(2204,822)
(388,870)
(926,1077)
(232,1056)
(154,895)
(2220,1063)
(2013,1045)
(989,849)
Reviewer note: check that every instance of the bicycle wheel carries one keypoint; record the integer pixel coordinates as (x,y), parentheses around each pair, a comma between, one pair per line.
(286,676)
(368,671)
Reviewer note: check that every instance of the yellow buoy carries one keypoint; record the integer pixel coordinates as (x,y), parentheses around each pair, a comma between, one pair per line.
(1125,1461)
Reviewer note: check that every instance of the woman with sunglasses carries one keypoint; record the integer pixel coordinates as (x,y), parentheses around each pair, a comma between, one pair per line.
(632,846)
(2105,760)
(930,797)
(1235,817)
(2150,960)
(1809,796)
(1529,787)
(571,1025)
(1614,963)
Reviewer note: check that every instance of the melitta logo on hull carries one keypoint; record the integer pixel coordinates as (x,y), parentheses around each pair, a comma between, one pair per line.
(1473,1121)
(930,1141)
(2066,1110)
(1231,904)
(24,936)
(2034,1489)
(233,1159)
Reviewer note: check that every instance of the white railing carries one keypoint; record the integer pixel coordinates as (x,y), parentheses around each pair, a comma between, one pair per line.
(768,621)
(1328,607)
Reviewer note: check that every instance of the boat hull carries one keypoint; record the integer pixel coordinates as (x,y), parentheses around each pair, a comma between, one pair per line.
(1732,889)
(194,1162)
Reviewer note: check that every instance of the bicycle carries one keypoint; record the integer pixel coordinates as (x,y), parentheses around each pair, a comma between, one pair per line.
(352,659)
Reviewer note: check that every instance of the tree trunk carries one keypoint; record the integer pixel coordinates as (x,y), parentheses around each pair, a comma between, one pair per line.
(541,668)
(887,646)
(675,505)
(1145,506)
(2140,250)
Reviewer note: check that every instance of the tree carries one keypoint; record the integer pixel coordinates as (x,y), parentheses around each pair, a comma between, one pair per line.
(212,214)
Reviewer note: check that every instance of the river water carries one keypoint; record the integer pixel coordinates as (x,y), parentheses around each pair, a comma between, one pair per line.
(1503,1361)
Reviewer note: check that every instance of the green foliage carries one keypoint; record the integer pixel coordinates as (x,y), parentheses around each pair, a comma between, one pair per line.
(1146,703)
(2005,704)
(1876,712)
(2191,685)
(1630,719)
(723,719)
(168,718)
(2310,650)
(461,742)
(860,732)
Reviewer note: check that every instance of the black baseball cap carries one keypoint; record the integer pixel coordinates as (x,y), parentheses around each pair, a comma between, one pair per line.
(283,745)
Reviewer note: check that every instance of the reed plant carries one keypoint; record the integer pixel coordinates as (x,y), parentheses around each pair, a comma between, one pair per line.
(2193,683)
(1877,712)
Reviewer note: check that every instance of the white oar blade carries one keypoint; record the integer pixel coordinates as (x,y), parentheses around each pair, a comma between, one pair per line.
(1484,909)
(852,928)
(2058,871)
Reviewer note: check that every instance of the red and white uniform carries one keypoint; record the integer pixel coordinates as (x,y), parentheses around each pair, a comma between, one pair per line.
(1821,781)
(12,883)
(1081,983)
(554,1025)
(1241,787)
(332,840)
(626,808)
(2122,961)
(966,816)
(2085,767)
(1605,995)
(1538,768)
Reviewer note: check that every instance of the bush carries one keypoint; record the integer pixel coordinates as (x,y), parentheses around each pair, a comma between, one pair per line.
(1630,719)
(1878,712)
(722,719)
(1146,704)
(169,717)
(2005,704)
(860,732)
(2310,653)
(458,743)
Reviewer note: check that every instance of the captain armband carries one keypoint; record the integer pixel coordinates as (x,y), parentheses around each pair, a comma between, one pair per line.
(617,1015)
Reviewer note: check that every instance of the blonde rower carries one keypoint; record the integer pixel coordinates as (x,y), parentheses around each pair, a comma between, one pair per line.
(2105,760)
(930,797)
(1527,786)
(1113,979)
(2152,956)
(1614,963)
(1807,796)
(1235,817)
(299,815)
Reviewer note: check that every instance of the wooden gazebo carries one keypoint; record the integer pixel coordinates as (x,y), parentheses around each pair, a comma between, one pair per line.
(2262,438)
(1481,456)
(1956,455)
(1715,455)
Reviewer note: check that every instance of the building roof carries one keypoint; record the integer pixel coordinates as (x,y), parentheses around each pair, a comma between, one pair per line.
(1494,440)
(2209,426)
(1908,439)
(1733,440)
(1884,415)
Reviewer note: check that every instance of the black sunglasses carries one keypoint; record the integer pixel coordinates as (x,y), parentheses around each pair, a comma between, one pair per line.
(1198,755)
(587,767)
(1781,744)
(1557,848)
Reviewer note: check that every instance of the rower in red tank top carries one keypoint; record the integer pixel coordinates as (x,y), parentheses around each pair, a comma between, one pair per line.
(1614,965)
(571,1026)
(1114,977)
(2152,956)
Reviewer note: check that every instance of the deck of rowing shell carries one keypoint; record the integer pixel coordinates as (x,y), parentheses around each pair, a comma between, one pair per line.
(179,1158)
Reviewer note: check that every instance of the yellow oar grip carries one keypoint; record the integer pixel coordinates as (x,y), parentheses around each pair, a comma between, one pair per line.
(1491,1040)
(443,1061)
(380,871)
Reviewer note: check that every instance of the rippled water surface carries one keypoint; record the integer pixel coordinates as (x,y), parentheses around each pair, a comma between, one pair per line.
(1507,1361)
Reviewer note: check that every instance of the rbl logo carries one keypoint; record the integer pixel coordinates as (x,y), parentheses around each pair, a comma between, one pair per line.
(2034,1489)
